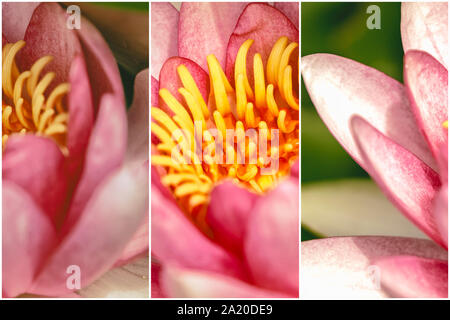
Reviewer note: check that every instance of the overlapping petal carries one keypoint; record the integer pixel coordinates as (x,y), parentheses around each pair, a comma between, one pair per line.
(28,236)
(427,85)
(37,165)
(47,34)
(193,249)
(341,88)
(408,182)
(138,120)
(105,153)
(440,213)
(100,235)
(274,226)
(413,277)
(164,34)
(81,113)
(228,219)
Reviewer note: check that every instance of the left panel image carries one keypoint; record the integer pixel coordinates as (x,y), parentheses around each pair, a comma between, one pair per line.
(75,150)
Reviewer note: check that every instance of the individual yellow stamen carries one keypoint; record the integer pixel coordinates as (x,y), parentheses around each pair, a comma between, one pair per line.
(250,116)
(260,85)
(220,93)
(287,88)
(191,86)
(241,97)
(194,107)
(241,66)
(181,115)
(220,123)
(37,109)
(274,60)
(271,104)
(284,61)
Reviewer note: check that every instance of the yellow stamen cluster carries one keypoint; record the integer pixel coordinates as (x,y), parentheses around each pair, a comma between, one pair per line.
(270,103)
(445,124)
(25,106)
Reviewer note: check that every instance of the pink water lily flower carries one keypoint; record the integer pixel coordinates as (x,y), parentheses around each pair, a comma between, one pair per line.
(399,134)
(74,194)
(225,66)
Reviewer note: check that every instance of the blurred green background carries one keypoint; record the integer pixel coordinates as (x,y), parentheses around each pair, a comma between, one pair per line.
(340,28)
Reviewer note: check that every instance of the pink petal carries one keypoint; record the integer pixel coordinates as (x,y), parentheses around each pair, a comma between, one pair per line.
(101,65)
(182,283)
(37,165)
(295,170)
(205,28)
(138,245)
(408,182)
(341,88)
(424,26)
(413,277)
(169,79)
(155,90)
(272,239)
(16,17)
(164,34)
(138,120)
(47,34)
(443,163)
(176,240)
(290,9)
(155,285)
(105,153)
(162,190)
(441,213)
(96,242)
(81,113)
(228,219)
(154,103)
(265,25)
(427,86)
(343,267)
(28,236)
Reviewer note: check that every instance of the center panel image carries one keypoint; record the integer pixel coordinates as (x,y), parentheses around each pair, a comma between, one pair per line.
(224,150)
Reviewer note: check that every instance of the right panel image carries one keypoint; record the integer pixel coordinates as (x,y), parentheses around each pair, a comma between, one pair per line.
(374,176)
